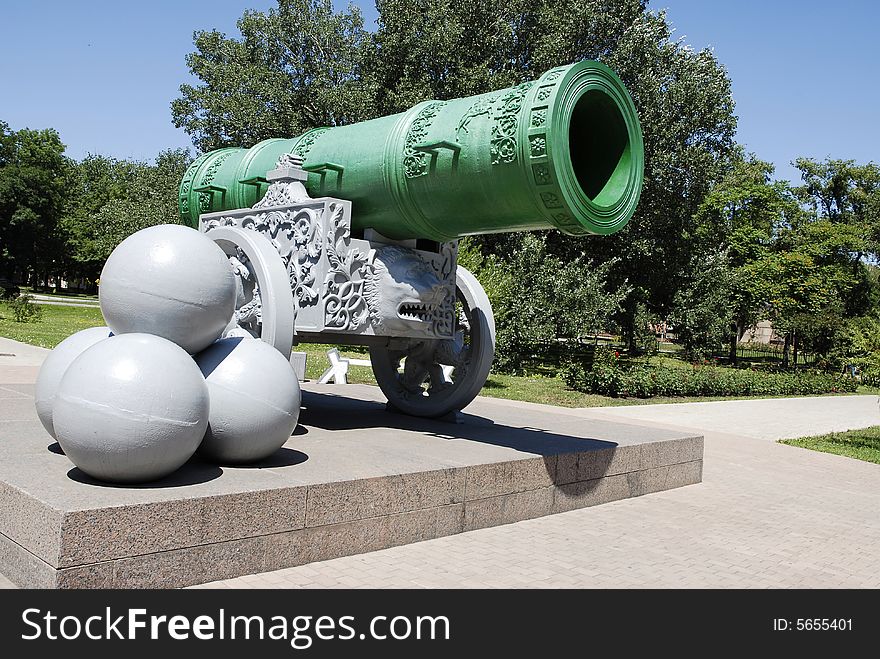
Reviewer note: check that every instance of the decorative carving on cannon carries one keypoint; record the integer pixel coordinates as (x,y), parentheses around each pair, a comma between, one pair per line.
(365,220)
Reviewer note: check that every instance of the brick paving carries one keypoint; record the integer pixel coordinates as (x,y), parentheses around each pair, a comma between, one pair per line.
(765,516)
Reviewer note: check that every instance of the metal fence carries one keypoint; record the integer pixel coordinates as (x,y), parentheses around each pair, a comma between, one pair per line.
(768,354)
(547,356)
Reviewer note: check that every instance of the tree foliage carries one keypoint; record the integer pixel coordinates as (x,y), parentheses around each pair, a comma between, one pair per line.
(700,315)
(60,218)
(111,199)
(33,175)
(792,255)
(298,66)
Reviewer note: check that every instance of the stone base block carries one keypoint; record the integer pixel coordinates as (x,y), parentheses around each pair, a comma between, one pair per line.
(353,478)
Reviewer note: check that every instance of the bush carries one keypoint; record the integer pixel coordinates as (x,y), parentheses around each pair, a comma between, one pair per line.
(537,297)
(24,310)
(610,378)
(858,346)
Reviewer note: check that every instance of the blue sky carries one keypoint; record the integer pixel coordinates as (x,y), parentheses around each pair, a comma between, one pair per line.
(805,73)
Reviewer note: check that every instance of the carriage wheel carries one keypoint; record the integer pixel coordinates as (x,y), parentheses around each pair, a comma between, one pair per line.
(267,287)
(432,378)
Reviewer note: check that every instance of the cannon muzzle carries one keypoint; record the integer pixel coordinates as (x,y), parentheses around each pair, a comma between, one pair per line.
(564,151)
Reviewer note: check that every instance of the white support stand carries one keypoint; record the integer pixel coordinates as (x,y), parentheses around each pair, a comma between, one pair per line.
(298,362)
(338,369)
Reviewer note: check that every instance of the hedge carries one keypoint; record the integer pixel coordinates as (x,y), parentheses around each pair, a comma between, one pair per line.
(643,381)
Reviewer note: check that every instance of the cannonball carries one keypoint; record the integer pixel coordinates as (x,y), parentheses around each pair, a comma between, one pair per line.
(255,399)
(132,408)
(55,366)
(171,281)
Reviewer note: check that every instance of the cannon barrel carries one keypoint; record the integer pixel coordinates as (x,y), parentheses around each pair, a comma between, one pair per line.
(564,151)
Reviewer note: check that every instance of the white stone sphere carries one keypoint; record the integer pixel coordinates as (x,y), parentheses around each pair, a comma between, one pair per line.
(55,366)
(131,408)
(255,399)
(171,281)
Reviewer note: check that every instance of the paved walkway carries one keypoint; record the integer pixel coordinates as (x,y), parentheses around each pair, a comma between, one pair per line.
(19,362)
(766,515)
(55,300)
(767,419)
(21,354)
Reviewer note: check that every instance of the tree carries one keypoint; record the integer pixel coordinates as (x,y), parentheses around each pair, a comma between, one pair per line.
(33,173)
(841,191)
(838,231)
(7,197)
(296,67)
(685,107)
(804,296)
(857,344)
(95,182)
(701,313)
(736,226)
(795,256)
(114,198)
(448,48)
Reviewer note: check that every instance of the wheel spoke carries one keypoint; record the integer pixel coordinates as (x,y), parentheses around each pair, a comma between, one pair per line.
(414,374)
(438,378)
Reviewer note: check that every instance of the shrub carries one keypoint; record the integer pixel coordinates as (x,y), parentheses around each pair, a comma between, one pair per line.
(538,297)
(858,346)
(24,310)
(644,381)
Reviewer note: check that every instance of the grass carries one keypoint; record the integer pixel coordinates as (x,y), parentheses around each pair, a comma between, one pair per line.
(60,322)
(861,444)
(317,361)
(56,325)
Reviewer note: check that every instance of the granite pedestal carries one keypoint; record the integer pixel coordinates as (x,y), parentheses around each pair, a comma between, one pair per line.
(353,478)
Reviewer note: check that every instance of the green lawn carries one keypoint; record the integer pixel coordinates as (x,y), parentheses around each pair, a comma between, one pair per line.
(60,322)
(317,361)
(859,444)
(56,325)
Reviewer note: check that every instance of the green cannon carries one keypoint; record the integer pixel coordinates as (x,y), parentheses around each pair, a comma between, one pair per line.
(365,219)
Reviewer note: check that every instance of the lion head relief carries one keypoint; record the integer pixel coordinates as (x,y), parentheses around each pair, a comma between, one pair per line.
(402,291)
